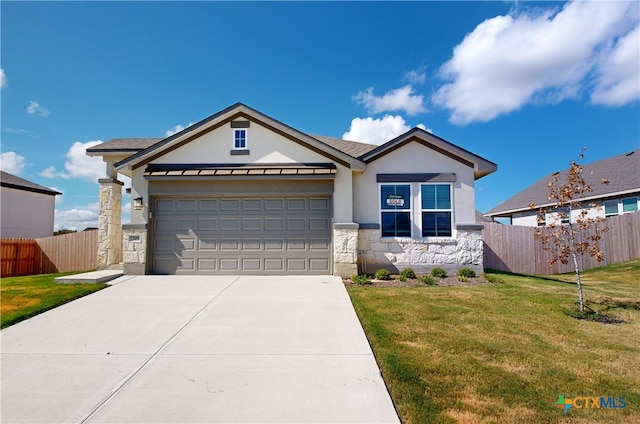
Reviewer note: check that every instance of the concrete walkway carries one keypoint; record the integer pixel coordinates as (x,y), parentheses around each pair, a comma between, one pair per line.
(167,349)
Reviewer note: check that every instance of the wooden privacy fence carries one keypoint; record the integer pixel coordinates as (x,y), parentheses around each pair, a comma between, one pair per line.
(514,248)
(63,253)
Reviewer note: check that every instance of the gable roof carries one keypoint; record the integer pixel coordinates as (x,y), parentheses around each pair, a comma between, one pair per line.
(11,181)
(481,166)
(622,171)
(225,116)
(349,153)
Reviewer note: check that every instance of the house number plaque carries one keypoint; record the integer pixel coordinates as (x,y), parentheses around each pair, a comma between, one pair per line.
(134,238)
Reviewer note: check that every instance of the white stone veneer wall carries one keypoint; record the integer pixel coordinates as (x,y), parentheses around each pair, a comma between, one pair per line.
(422,255)
(134,244)
(345,244)
(109,222)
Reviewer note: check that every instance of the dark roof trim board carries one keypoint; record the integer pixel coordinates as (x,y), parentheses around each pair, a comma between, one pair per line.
(17,183)
(482,166)
(233,112)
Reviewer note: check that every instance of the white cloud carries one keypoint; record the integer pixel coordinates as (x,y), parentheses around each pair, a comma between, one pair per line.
(77,218)
(618,73)
(416,76)
(177,129)
(35,108)
(540,57)
(12,162)
(399,99)
(79,165)
(50,172)
(3,78)
(377,131)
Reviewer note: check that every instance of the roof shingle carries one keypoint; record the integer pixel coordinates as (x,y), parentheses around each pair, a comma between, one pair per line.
(11,181)
(622,172)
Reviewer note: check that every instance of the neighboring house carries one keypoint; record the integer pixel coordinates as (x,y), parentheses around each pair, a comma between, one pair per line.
(621,195)
(28,209)
(240,192)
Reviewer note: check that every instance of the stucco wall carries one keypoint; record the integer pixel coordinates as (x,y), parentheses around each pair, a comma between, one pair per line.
(26,214)
(413,158)
(264,147)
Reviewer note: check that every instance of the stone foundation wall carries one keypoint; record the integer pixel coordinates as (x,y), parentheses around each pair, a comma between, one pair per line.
(451,254)
(134,245)
(109,222)
(345,244)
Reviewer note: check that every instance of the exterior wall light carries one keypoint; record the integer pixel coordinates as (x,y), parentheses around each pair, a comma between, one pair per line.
(137,203)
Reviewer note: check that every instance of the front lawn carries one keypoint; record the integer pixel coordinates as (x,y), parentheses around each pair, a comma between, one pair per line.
(504,352)
(24,297)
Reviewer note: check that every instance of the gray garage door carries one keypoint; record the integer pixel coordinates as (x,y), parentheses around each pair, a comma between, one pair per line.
(237,235)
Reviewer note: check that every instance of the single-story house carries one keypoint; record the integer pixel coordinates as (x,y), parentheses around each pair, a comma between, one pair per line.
(242,193)
(621,195)
(28,209)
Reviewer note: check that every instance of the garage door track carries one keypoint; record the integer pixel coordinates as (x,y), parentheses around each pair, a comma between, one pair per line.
(197,349)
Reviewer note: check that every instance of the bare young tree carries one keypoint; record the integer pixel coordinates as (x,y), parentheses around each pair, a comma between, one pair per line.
(572,229)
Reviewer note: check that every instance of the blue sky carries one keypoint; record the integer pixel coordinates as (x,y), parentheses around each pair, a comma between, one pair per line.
(523,84)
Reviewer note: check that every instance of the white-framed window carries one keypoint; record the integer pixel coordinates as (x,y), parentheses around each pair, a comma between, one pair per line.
(240,138)
(629,204)
(436,210)
(610,207)
(395,210)
(620,206)
(416,210)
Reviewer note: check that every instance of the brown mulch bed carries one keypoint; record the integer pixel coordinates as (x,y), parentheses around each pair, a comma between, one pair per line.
(450,280)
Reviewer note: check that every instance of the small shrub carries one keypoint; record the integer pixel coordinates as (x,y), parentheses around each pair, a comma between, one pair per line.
(438,272)
(493,279)
(382,274)
(462,278)
(407,273)
(361,279)
(466,272)
(428,280)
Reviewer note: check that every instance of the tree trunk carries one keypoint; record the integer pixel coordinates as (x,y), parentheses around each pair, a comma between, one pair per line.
(575,264)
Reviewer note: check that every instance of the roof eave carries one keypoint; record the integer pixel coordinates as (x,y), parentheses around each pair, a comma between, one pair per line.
(226,115)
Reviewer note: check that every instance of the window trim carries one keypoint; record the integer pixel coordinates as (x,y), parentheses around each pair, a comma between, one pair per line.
(410,210)
(235,138)
(415,210)
(449,210)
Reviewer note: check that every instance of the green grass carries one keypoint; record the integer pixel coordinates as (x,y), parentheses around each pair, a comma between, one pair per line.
(24,297)
(503,352)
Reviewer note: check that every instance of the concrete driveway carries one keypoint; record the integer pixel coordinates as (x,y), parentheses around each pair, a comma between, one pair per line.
(167,349)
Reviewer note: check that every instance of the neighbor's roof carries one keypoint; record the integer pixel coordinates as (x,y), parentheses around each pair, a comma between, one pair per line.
(622,172)
(11,181)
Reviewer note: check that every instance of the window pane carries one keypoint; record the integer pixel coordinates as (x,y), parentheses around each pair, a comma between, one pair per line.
(436,224)
(630,204)
(443,197)
(611,207)
(240,139)
(395,196)
(396,224)
(436,196)
(428,193)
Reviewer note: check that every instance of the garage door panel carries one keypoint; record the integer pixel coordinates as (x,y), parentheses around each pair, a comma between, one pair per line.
(187,205)
(205,264)
(207,244)
(274,224)
(318,264)
(252,224)
(207,224)
(242,235)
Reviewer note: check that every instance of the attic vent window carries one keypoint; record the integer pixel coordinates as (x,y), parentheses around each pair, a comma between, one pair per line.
(240,139)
